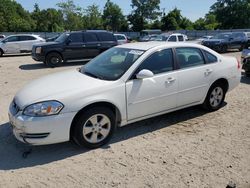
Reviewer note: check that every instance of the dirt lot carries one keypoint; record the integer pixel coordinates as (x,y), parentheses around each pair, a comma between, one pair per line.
(188,148)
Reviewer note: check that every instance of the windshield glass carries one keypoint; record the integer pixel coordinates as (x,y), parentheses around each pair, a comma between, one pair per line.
(62,37)
(222,36)
(112,64)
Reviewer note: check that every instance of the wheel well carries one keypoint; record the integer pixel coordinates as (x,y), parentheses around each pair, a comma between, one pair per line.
(111,106)
(224,83)
(2,50)
(54,52)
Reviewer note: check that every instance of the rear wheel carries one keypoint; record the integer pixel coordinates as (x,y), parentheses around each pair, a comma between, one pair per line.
(94,127)
(215,97)
(54,59)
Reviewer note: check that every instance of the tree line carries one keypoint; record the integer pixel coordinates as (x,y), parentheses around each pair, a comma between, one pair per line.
(145,14)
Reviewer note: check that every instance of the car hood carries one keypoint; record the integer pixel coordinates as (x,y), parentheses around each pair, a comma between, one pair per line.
(58,86)
(213,40)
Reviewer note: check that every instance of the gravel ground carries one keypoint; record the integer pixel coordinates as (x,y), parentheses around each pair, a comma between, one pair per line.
(188,148)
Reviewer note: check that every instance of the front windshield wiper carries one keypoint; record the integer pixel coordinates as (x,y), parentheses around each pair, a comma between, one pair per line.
(93,75)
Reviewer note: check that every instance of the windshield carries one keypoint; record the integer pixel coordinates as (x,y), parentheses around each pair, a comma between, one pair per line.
(222,36)
(112,64)
(62,37)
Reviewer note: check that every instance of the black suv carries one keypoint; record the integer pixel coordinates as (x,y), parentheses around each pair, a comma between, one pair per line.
(73,46)
(224,41)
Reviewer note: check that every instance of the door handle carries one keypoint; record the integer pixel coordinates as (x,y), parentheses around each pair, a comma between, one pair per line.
(170,80)
(83,45)
(208,71)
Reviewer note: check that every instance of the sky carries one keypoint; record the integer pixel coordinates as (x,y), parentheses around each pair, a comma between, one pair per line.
(192,9)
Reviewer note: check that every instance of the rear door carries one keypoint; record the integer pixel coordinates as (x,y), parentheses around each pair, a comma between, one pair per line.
(26,42)
(75,49)
(107,40)
(237,39)
(195,75)
(92,44)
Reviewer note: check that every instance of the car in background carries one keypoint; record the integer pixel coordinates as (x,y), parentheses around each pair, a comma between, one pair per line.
(52,38)
(224,41)
(148,38)
(74,46)
(176,37)
(121,38)
(123,85)
(245,57)
(206,37)
(22,43)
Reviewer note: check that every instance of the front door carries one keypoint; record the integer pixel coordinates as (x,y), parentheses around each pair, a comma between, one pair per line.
(11,45)
(153,95)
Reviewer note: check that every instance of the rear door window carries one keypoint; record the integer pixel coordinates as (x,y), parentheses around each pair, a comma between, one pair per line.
(90,37)
(106,36)
(26,38)
(189,57)
(210,57)
(180,38)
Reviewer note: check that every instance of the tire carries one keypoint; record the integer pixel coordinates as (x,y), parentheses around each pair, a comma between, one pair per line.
(1,52)
(241,48)
(247,74)
(53,59)
(215,97)
(90,132)
(224,49)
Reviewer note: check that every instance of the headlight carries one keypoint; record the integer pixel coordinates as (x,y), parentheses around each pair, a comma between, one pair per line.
(38,50)
(46,108)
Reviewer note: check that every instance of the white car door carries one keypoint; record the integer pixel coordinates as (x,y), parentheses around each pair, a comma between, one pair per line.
(11,45)
(195,75)
(156,94)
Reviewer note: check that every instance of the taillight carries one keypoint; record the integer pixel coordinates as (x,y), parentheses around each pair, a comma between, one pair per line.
(238,65)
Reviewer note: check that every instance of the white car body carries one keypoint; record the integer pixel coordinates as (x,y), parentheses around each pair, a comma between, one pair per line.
(121,38)
(21,43)
(176,37)
(134,99)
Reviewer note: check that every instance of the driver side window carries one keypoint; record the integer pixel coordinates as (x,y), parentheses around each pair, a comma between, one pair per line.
(159,62)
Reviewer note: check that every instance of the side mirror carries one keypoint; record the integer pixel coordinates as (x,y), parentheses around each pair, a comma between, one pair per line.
(68,41)
(144,74)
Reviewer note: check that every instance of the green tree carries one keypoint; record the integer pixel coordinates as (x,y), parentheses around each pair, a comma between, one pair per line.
(113,19)
(209,22)
(143,10)
(232,14)
(13,17)
(72,15)
(174,21)
(93,17)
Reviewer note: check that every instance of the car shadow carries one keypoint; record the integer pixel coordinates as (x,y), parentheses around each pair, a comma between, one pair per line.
(11,150)
(43,66)
(245,79)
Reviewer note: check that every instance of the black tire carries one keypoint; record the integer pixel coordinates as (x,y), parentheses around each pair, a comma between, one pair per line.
(1,52)
(83,122)
(223,49)
(53,59)
(247,74)
(218,99)
(241,48)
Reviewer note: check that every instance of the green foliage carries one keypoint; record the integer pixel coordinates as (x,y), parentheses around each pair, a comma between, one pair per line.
(143,10)
(113,19)
(208,23)
(174,21)
(232,14)
(93,17)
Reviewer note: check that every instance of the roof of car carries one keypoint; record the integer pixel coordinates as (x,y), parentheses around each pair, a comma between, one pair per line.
(148,45)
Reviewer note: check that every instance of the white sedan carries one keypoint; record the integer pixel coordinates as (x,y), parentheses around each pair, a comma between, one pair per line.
(125,84)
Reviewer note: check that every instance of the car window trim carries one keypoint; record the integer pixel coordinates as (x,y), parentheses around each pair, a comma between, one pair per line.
(132,75)
(205,56)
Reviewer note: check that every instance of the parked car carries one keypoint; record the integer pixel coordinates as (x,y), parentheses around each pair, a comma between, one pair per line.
(21,43)
(74,46)
(148,38)
(245,56)
(123,85)
(121,38)
(176,37)
(224,41)
(206,37)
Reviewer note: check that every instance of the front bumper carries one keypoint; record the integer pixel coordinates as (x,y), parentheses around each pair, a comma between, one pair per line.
(38,57)
(41,130)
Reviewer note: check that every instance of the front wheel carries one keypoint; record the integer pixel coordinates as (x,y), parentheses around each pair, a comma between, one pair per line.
(94,127)
(53,59)
(215,97)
